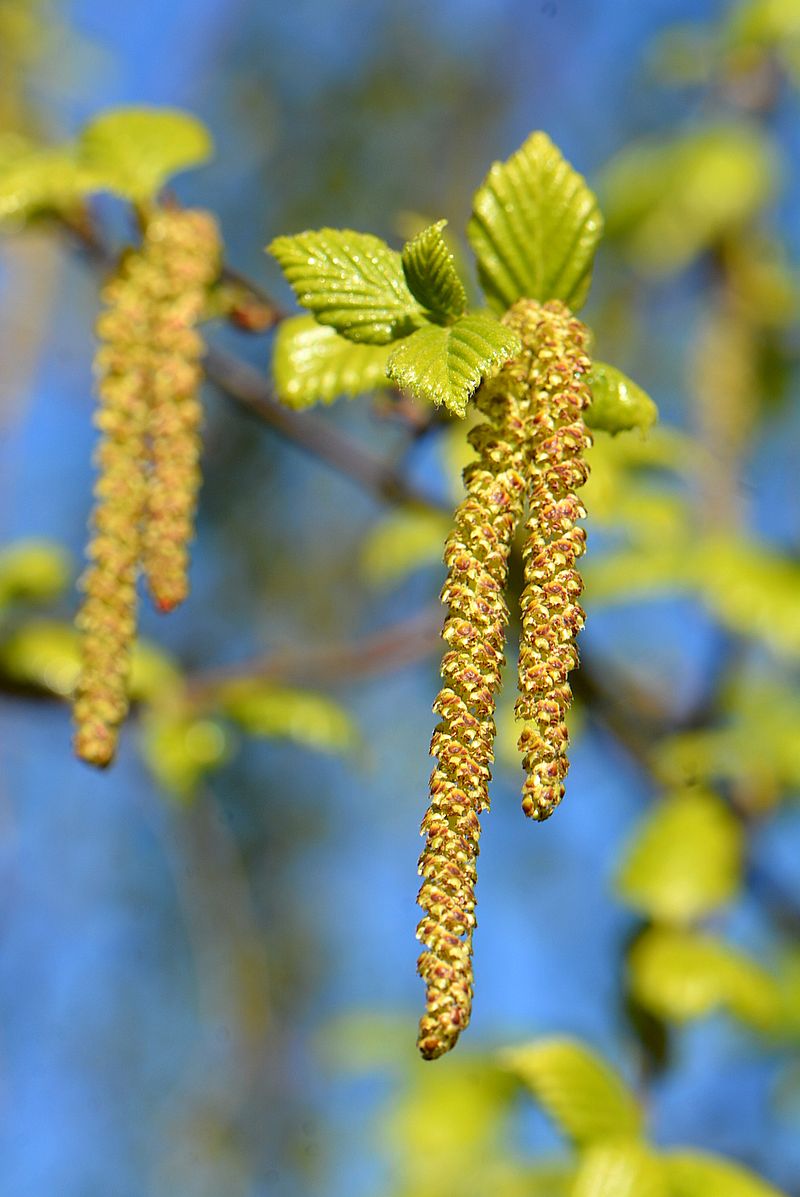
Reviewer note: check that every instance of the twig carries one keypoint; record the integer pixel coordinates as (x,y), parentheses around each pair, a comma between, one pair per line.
(401,644)
(311,434)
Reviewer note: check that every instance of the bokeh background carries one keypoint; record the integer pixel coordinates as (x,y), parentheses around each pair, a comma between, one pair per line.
(213,995)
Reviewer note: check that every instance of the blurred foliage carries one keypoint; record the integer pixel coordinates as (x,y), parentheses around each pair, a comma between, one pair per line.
(187,725)
(685,859)
(453,1129)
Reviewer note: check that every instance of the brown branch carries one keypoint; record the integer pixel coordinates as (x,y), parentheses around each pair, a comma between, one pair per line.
(313,435)
(401,644)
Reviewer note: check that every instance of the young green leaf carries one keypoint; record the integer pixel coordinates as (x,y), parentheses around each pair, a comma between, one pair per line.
(351,281)
(313,364)
(685,859)
(431,274)
(683,975)
(534,228)
(445,365)
(134,151)
(585,1098)
(618,404)
(621,1168)
(695,1174)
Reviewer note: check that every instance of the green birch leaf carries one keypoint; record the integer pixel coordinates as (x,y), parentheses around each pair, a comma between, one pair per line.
(446,365)
(695,1174)
(685,860)
(586,1099)
(535,227)
(134,151)
(618,404)
(623,1168)
(313,364)
(352,281)
(431,274)
(683,975)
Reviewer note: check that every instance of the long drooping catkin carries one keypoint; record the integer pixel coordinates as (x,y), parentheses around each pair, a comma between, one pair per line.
(147,458)
(107,619)
(551,615)
(476,556)
(185,250)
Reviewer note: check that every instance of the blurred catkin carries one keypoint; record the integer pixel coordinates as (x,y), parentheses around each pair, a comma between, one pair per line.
(147,458)
(476,555)
(107,619)
(184,248)
(556,346)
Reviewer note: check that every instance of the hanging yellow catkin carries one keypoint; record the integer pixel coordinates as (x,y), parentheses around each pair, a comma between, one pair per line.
(476,555)
(184,247)
(107,619)
(551,615)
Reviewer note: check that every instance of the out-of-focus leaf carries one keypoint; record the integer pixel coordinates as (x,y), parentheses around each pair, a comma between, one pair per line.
(445,365)
(313,364)
(351,281)
(46,653)
(621,1168)
(752,590)
(756,748)
(685,859)
(671,200)
(33,571)
(180,750)
(307,718)
(535,227)
(618,404)
(684,975)
(401,543)
(134,151)
(586,1099)
(446,1131)
(42,653)
(431,274)
(696,1174)
(155,676)
(41,179)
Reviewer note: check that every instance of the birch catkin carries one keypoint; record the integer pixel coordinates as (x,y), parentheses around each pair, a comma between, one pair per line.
(184,248)
(476,555)
(551,614)
(107,619)
(149,421)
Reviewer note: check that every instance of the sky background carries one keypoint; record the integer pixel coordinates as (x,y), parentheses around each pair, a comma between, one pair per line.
(122,1040)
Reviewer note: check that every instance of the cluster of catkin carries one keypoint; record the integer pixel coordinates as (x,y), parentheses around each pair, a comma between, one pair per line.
(530,450)
(148,366)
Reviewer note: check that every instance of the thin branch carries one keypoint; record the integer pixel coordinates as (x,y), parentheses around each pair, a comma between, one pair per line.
(401,644)
(248,387)
(314,436)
